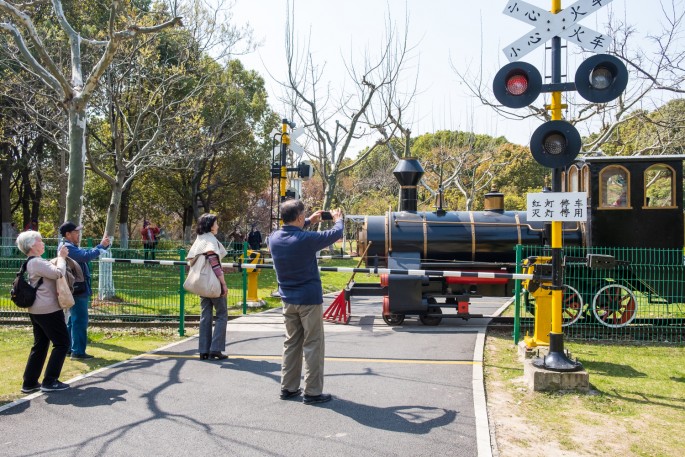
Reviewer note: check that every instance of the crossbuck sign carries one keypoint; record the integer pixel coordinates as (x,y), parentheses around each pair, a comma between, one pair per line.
(563,24)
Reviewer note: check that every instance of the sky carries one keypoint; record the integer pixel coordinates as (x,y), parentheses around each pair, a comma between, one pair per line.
(443,33)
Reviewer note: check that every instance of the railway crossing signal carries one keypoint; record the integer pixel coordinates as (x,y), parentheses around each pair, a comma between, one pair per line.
(599,79)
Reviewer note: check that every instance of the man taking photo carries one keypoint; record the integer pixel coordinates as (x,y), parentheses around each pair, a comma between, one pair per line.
(294,255)
(77,323)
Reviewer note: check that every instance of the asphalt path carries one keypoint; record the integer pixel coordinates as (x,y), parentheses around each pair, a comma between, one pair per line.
(407,390)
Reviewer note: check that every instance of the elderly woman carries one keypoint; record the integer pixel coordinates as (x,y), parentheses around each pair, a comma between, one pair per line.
(47,318)
(211,344)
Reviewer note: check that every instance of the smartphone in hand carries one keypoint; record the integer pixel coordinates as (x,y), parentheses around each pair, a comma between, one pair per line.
(326,216)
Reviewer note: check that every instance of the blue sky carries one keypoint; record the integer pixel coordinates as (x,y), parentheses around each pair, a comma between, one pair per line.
(441,30)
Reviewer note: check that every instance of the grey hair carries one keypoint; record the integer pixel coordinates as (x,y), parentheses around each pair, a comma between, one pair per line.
(26,240)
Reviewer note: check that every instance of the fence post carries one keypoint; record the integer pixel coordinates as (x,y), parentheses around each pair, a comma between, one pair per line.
(246,259)
(517,293)
(182,293)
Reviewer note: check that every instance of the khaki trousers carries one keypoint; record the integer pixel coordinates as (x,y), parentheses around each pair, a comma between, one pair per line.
(303,336)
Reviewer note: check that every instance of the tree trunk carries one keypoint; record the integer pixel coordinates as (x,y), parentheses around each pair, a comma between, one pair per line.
(62,185)
(330,192)
(77,159)
(187,224)
(5,203)
(123,219)
(114,204)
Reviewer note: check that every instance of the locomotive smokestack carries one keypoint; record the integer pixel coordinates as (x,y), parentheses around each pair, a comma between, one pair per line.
(408,173)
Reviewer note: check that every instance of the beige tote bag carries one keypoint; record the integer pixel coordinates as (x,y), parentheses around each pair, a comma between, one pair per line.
(201,279)
(64,296)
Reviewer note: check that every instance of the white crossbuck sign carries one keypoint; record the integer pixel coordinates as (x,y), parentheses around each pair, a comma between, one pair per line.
(563,24)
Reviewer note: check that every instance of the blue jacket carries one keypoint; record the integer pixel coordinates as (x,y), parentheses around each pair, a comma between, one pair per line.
(294,255)
(83,257)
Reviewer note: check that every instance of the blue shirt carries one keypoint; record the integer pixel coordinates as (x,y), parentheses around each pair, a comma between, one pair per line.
(294,254)
(82,257)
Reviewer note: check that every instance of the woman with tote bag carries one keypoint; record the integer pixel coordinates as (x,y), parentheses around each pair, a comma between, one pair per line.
(204,256)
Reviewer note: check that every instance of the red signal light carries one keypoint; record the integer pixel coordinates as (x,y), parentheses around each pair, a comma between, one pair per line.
(517,84)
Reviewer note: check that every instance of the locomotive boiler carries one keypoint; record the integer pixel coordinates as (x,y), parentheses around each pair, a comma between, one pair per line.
(482,241)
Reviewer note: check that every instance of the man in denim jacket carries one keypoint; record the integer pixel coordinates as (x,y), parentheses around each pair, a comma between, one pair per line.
(299,285)
(77,323)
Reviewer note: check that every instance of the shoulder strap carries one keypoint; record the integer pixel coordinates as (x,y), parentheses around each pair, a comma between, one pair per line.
(23,270)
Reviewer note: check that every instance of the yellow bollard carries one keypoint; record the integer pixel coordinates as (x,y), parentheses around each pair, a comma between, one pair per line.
(543,306)
(253,277)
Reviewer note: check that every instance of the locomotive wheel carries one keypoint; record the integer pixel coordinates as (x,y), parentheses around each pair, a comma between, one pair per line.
(390,318)
(393,319)
(430,320)
(571,306)
(614,305)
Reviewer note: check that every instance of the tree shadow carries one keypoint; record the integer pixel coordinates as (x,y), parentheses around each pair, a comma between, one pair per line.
(613,369)
(680,379)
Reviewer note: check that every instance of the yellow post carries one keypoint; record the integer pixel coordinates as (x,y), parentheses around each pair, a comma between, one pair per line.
(543,307)
(557,295)
(285,141)
(253,277)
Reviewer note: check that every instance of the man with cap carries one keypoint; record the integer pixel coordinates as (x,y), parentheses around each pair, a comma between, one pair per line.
(77,323)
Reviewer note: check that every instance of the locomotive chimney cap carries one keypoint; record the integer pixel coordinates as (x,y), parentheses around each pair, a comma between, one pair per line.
(408,171)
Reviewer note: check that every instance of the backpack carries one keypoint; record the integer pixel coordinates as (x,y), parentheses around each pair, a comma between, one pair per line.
(22,293)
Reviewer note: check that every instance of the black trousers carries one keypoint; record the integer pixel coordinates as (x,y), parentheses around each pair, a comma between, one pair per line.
(47,328)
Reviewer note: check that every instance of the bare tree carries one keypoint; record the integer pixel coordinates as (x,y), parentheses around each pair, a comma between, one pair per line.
(335,120)
(76,92)
(656,64)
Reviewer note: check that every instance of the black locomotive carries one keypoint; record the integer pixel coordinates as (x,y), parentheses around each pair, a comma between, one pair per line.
(632,202)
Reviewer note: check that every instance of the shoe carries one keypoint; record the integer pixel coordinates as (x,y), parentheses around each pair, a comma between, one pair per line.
(217,355)
(55,386)
(204,356)
(82,356)
(285,394)
(311,399)
(31,389)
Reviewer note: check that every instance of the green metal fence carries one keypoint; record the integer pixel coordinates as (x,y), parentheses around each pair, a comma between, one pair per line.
(640,298)
(143,293)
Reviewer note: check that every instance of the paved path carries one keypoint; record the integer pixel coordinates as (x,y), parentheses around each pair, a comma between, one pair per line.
(406,390)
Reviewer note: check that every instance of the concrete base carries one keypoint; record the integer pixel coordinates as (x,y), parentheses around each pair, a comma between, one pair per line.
(538,379)
(256,304)
(526,353)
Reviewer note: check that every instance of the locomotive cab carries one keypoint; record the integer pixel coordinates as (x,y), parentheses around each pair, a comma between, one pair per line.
(632,201)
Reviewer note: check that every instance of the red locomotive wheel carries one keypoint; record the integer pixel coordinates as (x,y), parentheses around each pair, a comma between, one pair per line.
(390,318)
(615,306)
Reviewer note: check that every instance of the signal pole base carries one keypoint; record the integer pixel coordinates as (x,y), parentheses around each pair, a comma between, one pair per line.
(556,359)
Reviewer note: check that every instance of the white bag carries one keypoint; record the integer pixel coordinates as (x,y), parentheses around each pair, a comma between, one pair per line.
(64,296)
(201,279)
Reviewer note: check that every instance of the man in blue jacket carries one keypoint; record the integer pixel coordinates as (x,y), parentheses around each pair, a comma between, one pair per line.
(77,323)
(299,284)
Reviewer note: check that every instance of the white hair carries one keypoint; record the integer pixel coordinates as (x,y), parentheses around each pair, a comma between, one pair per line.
(26,240)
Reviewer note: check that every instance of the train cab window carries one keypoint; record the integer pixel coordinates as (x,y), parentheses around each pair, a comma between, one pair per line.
(573,184)
(659,187)
(614,187)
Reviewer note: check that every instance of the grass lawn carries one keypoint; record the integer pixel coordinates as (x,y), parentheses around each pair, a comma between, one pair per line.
(108,347)
(636,406)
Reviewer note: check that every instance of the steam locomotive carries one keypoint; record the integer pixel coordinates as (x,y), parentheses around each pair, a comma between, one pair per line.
(632,202)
